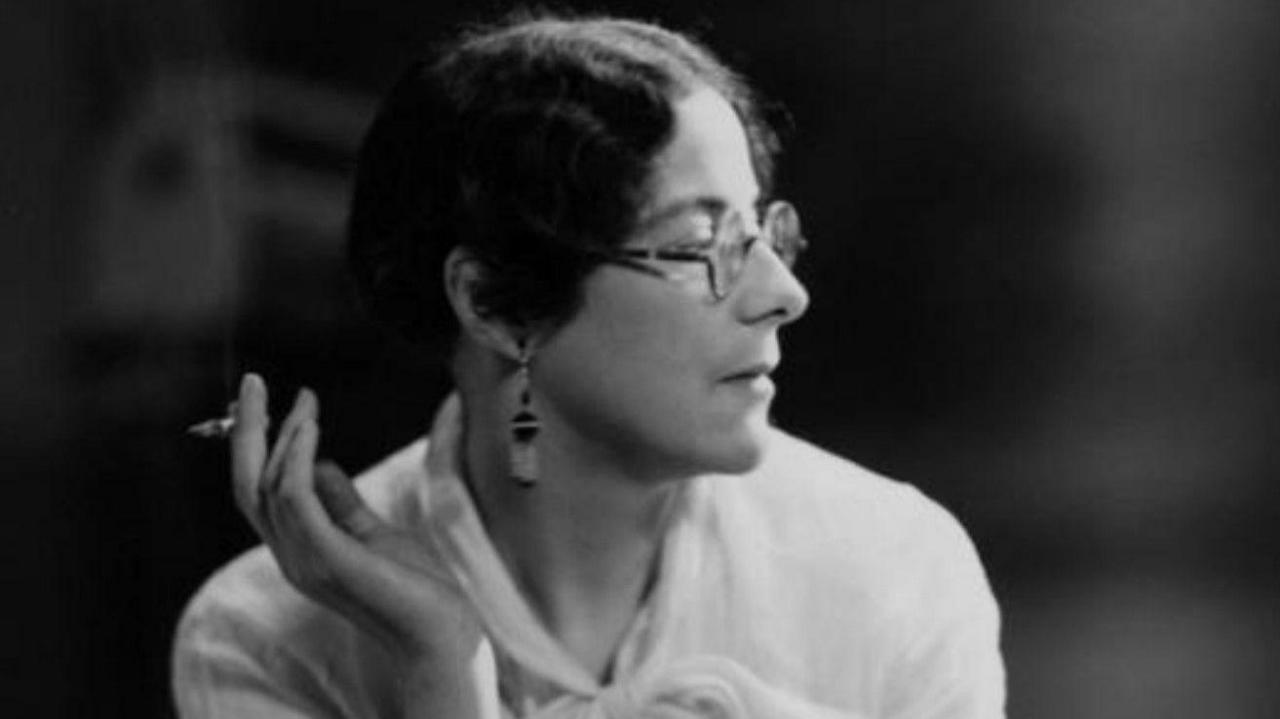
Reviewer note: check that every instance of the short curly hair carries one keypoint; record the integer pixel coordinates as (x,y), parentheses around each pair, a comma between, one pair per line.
(529,143)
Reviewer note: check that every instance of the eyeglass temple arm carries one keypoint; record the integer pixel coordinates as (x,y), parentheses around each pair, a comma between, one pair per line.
(632,259)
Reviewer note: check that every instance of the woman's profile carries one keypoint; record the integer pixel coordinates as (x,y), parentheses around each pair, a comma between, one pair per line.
(602,521)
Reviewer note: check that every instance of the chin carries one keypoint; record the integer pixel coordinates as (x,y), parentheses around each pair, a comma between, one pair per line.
(742,463)
(740,452)
(730,445)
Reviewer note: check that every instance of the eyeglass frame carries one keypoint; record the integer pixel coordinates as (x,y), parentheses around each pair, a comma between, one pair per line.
(632,257)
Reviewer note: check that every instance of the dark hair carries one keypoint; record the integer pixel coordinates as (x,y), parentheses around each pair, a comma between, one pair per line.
(527,142)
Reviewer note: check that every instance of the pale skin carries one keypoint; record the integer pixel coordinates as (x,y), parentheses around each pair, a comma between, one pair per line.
(646,385)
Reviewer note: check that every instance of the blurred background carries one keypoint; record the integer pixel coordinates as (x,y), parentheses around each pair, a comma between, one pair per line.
(1044,290)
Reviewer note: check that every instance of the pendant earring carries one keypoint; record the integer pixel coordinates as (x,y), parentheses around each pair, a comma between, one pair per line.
(525,426)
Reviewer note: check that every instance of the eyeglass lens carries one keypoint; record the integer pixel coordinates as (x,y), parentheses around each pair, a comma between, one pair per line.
(780,230)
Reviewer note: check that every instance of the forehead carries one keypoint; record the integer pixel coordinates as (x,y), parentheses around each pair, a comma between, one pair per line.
(707,161)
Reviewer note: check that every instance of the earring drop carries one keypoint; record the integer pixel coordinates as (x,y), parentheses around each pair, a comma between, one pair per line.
(525,426)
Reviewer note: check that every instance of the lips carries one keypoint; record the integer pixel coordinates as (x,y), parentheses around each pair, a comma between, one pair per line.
(751,371)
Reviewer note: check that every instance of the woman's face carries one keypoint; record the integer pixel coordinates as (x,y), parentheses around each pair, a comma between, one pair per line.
(651,375)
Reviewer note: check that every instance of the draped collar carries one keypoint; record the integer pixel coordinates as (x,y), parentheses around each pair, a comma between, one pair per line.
(516,631)
(656,673)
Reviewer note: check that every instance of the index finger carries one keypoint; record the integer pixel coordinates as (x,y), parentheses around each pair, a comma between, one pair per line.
(249,445)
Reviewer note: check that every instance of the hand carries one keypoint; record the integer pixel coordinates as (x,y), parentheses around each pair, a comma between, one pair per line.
(333,548)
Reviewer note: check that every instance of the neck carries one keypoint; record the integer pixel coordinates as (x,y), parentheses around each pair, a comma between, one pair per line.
(583,542)
(583,533)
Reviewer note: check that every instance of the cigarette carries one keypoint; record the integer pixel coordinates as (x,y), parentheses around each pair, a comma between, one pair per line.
(218,428)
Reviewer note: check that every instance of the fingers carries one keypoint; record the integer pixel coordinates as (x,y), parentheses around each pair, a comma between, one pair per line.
(254,473)
(311,548)
(310,516)
(305,407)
(343,504)
(291,501)
(249,447)
(329,544)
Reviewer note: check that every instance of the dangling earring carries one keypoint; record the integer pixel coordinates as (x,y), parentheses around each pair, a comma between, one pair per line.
(525,426)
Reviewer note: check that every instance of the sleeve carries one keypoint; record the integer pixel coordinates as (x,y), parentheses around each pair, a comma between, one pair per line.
(232,662)
(223,667)
(949,666)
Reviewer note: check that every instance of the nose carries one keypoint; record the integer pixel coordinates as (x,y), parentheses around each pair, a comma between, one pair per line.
(768,290)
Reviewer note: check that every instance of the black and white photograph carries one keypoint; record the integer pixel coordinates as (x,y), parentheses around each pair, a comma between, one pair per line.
(641,360)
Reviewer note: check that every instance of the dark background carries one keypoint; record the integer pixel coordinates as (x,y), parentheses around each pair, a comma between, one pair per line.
(1043,276)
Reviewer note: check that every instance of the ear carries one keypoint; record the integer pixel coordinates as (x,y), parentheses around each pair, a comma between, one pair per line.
(464,275)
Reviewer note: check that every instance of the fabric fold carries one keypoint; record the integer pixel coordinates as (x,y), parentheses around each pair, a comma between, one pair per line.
(698,687)
(706,687)
(455,527)
(807,588)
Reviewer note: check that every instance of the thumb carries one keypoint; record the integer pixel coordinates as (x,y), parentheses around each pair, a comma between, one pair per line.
(343,504)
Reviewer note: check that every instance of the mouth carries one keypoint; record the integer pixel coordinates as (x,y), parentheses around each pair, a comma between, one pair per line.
(751,372)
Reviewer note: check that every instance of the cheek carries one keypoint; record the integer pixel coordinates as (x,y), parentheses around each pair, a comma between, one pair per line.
(637,374)
(631,361)
(645,353)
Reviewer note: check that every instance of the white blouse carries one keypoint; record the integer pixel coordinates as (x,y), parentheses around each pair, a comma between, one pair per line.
(807,588)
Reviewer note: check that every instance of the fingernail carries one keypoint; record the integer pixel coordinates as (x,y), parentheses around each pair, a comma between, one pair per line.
(310,398)
(250,381)
(306,398)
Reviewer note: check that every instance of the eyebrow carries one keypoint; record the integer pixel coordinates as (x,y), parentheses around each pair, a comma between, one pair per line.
(710,204)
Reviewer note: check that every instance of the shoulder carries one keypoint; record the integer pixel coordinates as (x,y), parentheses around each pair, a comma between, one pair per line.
(247,606)
(246,625)
(251,591)
(248,644)
(850,532)
(805,492)
(886,571)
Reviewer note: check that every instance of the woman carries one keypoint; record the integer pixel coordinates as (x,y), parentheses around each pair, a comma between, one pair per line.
(602,522)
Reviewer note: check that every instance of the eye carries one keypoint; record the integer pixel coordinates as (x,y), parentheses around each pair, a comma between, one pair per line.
(737,230)
(697,235)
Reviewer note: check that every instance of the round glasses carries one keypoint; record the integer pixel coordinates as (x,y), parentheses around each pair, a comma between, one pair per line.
(724,246)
